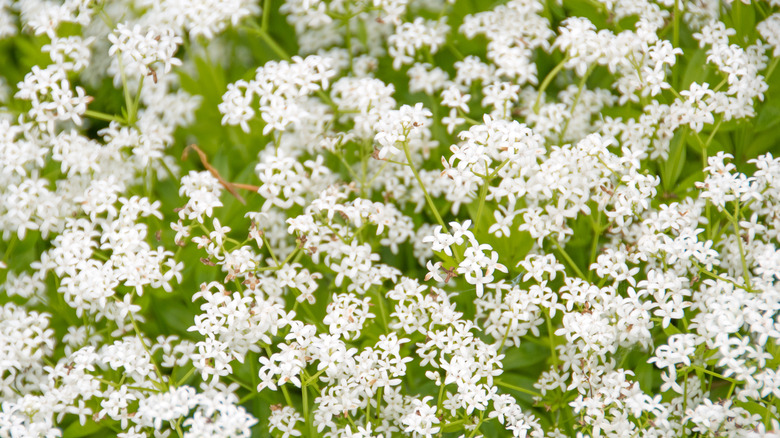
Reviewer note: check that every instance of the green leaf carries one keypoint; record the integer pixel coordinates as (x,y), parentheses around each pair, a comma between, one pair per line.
(744,17)
(684,186)
(590,9)
(76,430)
(671,330)
(763,142)
(520,381)
(487,217)
(174,315)
(31,53)
(525,355)
(643,372)
(695,72)
(672,169)
(768,117)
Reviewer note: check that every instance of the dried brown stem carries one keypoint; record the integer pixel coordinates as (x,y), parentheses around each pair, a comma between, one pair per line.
(229,186)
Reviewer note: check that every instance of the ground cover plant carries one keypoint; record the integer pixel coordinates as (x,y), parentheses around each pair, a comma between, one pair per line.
(385,218)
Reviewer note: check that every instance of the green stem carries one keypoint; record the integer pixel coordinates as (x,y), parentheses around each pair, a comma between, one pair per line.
(161,384)
(440,399)
(263,33)
(286,393)
(382,311)
(289,257)
(11,245)
(594,243)
(126,91)
(266,15)
(546,82)
(186,377)
(476,429)
(550,334)
(422,186)
(117,385)
(349,168)
(568,259)
(576,101)
(506,335)
(314,377)
(720,85)
(454,50)
(305,402)
(348,38)
(516,388)
(378,403)
(103,116)
(718,277)
(482,195)
(675,35)
(771,68)
(735,223)
(137,99)
(706,144)
(270,250)
(400,163)
(714,374)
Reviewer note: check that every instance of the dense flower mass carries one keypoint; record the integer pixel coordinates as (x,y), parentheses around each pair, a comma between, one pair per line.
(386,218)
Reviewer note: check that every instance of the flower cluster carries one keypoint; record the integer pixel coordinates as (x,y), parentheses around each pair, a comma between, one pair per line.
(389,218)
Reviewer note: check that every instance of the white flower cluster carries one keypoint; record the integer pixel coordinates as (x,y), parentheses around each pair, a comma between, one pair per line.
(571,231)
(282,89)
(143,52)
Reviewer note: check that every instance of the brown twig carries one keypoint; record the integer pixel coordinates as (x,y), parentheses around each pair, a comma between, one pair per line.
(229,186)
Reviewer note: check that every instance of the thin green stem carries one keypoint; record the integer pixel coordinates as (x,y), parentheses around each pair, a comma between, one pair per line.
(714,374)
(263,33)
(348,38)
(162,383)
(482,195)
(717,277)
(286,393)
(516,388)
(428,199)
(581,86)
(137,99)
(11,245)
(305,402)
(594,243)
(568,259)
(440,399)
(451,47)
(771,68)
(735,223)
(186,377)
(506,336)
(400,163)
(720,85)
(550,334)
(266,15)
(349,168)
(103,116)
(476,429)
(546,82)
(313,378)
(675,35)
(270,250)
(117,385)
(378,403)
(382,309)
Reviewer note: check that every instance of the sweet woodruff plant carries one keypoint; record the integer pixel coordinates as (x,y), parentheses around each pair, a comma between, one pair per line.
(387,218)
